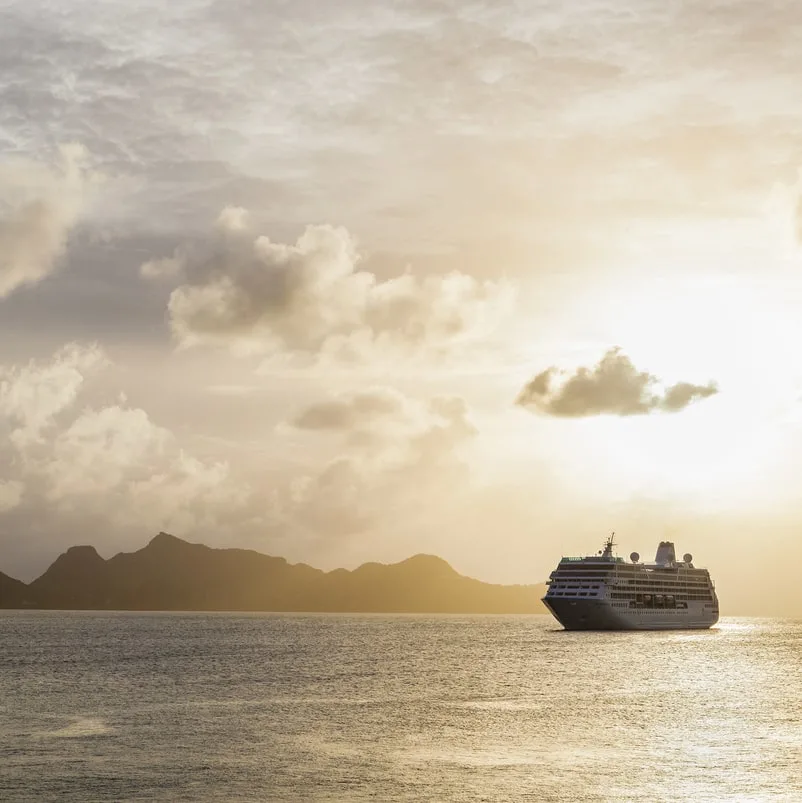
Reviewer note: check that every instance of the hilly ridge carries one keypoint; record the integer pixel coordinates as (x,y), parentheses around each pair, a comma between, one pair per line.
(12,592)
(172,574)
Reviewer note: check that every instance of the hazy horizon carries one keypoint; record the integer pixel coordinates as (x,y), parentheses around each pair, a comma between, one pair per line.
(350,283)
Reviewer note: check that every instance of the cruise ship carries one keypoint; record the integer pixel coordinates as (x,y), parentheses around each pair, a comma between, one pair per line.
(605,592)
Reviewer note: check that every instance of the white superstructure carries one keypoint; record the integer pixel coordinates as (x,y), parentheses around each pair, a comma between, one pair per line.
(605,592)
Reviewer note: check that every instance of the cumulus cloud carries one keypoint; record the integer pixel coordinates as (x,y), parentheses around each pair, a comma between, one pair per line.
(117,462)
(33,395)
(399,455)
(252,294)
(377,460)
(612,387)
(677,397)
(111,464)
(99,448)
(39,205)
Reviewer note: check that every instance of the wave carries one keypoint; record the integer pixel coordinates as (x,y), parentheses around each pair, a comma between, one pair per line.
(82,728)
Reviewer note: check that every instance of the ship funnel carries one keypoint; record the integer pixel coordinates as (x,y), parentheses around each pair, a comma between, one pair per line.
(665,553)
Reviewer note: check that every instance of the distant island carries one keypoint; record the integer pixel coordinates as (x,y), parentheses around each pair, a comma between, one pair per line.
(170,574)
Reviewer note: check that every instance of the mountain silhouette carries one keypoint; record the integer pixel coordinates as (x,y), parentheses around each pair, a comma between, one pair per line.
(170,574)
(77,579)
(12,592)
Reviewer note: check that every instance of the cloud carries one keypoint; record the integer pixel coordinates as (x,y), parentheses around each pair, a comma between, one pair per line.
(10,494)
(33,395)
(39,205)
(679,396)
(110,466)
(398,456)
(385,421)
(165,268)
(96,452)
(251,294)
(118,463)
(368,465)
(612,387)
(352,411)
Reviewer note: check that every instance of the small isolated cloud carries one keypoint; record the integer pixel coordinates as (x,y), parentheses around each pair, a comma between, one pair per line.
(39,205)
(677,397)
(612,387)
(250,294)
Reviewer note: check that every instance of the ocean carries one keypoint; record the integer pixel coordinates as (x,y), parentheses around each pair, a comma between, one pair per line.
(263,707)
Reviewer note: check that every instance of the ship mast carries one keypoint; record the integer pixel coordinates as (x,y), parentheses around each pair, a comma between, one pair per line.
(608,546)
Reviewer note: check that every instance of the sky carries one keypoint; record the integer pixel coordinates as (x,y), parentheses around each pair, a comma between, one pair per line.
(352,281)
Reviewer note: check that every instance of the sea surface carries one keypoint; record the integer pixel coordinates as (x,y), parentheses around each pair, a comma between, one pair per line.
(174,707)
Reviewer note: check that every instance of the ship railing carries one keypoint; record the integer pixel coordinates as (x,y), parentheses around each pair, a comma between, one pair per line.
(591,559)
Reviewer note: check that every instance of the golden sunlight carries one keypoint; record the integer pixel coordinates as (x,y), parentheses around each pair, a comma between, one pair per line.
(688,322)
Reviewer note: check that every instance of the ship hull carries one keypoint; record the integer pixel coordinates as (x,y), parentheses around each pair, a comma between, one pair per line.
(583,614)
